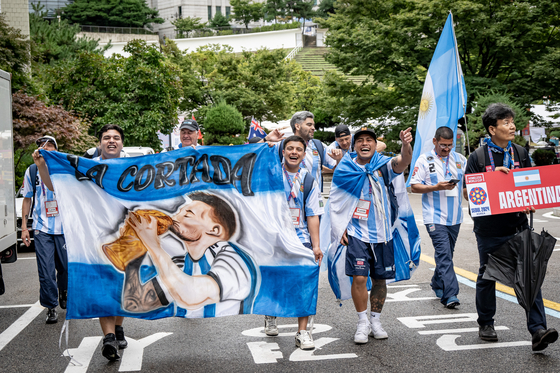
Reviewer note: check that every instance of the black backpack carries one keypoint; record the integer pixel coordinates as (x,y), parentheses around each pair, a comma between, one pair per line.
(481,155)
(33,178)
(320,150)
(391,194)
(307,186)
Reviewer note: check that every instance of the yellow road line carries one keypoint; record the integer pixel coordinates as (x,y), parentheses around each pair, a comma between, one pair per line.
(500,287)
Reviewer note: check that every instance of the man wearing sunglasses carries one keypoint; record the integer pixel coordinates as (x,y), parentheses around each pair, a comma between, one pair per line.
(50,246)
(438,175)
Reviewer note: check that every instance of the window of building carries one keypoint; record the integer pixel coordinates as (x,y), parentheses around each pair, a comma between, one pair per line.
(218,9)
(228,11)
(209,12)
(180,12)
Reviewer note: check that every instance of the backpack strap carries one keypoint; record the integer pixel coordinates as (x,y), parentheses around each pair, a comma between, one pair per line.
(33,178)
(391,194)
(307,186)
(281,150)
(481,156)
(321,151)
(521,154)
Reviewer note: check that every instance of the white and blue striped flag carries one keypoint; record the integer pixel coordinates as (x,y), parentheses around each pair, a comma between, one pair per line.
(444,97)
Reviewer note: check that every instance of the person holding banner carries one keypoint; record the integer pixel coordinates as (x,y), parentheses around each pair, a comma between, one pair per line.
(438,176)
(500,154)
(306,205)
(50,245)
(363,210)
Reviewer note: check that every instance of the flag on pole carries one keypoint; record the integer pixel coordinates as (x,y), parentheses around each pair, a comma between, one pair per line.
(256,130)
(444,97)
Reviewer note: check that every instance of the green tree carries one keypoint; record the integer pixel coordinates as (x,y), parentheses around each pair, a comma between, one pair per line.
(246,11)
(300,9)
(222,124)
(187,24)
(219,21)
(14,54)
(326,8)
(141,93)
(506,46)
(117,13)
(55,41)
(476,128)
(274,9)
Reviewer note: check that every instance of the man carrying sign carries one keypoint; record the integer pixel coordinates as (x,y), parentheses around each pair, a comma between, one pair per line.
(500,154)
(438,176)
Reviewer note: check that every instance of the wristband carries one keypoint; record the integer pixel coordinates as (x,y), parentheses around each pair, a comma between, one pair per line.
(25,229)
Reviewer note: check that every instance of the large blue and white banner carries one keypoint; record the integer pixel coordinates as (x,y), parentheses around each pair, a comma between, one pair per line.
(188,233)
(444,97)
(348,180)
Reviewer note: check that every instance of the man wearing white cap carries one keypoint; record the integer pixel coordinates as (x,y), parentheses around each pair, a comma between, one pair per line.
(50,246)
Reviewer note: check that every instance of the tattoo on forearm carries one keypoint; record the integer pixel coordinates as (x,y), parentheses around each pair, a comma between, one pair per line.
(377,295)
(394,162)
(138,297)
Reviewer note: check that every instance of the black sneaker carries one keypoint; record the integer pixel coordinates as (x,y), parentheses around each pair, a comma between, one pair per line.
(119,332)
(487,333)
(110,348)
(62,296)
(52,316)
(543,337)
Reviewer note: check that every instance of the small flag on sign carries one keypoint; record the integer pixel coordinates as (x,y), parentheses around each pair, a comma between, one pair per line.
(525,178)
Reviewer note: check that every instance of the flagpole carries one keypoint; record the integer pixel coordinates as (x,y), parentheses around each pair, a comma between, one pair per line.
(459,74)
(467,130)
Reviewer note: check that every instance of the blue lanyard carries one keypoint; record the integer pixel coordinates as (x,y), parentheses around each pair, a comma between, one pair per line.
(291,184)
(447,171)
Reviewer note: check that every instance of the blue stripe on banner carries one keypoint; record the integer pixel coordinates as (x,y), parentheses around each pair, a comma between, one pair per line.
(210,310)
(248,168)
(204,266)
(188,268)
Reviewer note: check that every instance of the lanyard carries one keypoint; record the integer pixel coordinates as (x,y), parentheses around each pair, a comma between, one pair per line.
(43,189)
(291,184)
(446,171)
(492,158)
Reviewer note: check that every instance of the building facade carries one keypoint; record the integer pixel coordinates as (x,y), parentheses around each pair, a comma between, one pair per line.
(17,14)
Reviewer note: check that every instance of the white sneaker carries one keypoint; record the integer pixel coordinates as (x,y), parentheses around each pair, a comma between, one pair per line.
(270,327)
(362,332)
(377,331)
(304,341)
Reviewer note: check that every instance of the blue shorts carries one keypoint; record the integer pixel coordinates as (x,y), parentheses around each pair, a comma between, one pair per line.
(308,245)
(362,256)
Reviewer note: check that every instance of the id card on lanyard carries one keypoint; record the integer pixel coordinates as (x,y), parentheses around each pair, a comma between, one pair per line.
(362,210)
(51,207)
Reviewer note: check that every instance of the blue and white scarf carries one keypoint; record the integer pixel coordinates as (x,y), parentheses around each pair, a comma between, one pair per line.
(507,152)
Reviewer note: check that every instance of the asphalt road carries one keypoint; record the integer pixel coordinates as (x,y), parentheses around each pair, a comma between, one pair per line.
(423,335)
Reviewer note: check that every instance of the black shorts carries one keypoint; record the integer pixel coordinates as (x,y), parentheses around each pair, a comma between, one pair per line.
(362,256)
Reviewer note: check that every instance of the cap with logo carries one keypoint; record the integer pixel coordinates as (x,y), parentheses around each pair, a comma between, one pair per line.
(44,139)
(362,131)
(341,130)
(189,124)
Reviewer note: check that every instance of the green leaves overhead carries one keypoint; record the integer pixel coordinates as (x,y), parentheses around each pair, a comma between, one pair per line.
(117,13)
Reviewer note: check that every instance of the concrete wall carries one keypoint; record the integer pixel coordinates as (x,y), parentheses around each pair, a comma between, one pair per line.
(104,38)
(17,14)
(117,48)
(271,40)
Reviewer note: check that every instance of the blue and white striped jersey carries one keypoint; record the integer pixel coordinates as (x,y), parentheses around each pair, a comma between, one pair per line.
(313,205)
(377,228)
(49,225)
(439,207)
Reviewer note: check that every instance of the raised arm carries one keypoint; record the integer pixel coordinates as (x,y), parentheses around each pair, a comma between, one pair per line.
(401,161)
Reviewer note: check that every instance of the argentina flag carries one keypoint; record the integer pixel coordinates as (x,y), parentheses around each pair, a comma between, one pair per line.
(444,97)
(193,233)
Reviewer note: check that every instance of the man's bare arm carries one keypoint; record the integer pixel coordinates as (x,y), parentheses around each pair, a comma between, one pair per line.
(401,162)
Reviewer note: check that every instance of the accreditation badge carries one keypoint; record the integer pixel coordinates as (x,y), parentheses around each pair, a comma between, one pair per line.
(51,208)
(295,216)
(362,210)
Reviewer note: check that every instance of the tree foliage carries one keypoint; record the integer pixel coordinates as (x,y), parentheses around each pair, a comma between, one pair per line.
(221,125)
(140,93)
(187,24)
(219,21)
(116,13)
(326,8)
(33,119)
(503,45)
(300,9)
(55,41)
(246,11)
(14,54)
(274,9)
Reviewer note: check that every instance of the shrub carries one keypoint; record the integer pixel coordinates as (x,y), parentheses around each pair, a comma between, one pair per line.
(543,157)
(222,123)
(324,136)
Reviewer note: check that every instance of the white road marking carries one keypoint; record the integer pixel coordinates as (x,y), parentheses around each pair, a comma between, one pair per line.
(18,306)
(20,324)
(27,257)
(550,216)
(82,355)
(301,355)
(402,296)
(402,286)
(415,322)
(263,352)
(259,332)
(458,330)
(132,356)
(447,343)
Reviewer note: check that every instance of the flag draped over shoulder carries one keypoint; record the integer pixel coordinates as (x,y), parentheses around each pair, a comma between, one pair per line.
(444,97)
(345,192)
(187,233)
